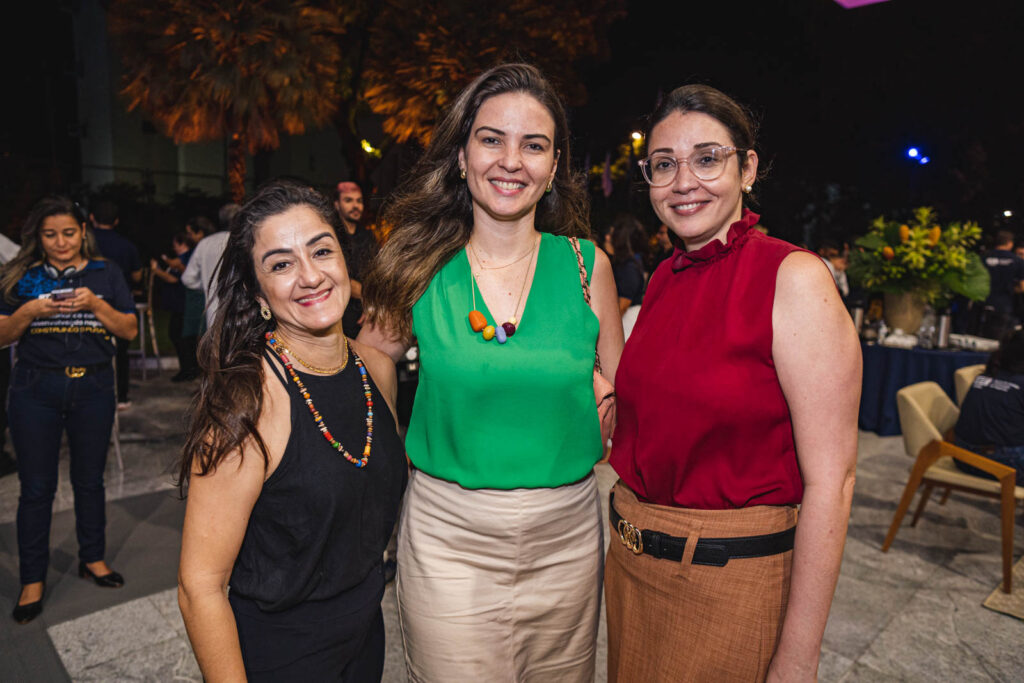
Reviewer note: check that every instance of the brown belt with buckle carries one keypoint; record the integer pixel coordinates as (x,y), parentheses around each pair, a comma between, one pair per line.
(74,371)
(714,552)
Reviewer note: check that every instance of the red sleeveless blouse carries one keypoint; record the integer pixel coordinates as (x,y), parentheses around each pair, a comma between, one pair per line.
(702,421)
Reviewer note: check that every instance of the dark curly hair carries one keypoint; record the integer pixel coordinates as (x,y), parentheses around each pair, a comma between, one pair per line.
(226,410)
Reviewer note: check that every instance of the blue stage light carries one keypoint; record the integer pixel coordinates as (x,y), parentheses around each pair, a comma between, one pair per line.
(913,153)
(924,160)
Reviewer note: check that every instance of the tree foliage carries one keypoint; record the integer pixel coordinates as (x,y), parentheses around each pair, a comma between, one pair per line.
(423,52)
(251,71)
(245,70)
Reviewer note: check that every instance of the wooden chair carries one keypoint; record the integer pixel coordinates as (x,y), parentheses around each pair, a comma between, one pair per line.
(964,378)
(926,414)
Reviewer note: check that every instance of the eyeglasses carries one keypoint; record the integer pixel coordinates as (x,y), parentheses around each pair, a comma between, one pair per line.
(707,164)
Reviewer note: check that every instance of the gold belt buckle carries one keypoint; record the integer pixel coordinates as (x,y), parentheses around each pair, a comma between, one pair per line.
(74,372)
(631,537)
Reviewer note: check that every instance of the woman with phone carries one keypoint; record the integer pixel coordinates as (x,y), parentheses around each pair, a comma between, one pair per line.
(64,305)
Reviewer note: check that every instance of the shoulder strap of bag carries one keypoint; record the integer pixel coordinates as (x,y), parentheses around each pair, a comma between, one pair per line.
(585,286)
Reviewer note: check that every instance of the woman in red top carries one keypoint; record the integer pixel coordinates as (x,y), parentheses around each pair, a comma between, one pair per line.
(738,394)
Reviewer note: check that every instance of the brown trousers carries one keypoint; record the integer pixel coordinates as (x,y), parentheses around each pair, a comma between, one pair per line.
(677,621)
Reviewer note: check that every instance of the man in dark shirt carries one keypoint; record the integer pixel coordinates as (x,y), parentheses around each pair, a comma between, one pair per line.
(359,245)
(120,251)
(1006,270)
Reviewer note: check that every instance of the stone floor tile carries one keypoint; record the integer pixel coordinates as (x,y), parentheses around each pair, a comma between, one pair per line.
(934,638)
(170,661)
(109,634)
(166,603)
(832,666)
(861,610)
(862,673)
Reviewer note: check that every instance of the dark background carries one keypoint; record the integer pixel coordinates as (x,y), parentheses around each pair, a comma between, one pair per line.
(840,94)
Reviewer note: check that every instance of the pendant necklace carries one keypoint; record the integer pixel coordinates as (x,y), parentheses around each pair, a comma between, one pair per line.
(275,345)
(477,320)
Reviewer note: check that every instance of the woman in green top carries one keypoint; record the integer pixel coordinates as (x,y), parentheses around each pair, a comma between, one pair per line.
(500,540)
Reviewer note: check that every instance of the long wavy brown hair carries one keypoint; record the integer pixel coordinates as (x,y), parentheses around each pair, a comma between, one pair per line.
(227,408)
(432,213)
(31,252)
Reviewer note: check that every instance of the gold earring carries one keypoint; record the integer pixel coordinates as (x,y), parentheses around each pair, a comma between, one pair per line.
(748,188)
(462,174)
(265,312)
(549,186)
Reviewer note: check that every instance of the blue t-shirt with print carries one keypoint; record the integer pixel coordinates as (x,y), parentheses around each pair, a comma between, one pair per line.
(69,338)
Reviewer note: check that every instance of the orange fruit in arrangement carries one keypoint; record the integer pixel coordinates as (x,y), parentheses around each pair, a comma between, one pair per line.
(888,254)
(934,234)
(904,233)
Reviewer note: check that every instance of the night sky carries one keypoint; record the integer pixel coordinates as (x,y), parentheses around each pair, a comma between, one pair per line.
(841,94)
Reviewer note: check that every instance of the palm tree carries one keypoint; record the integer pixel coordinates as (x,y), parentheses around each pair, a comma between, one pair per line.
(243,70)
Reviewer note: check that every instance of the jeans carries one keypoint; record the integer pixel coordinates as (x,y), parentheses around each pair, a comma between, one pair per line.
(123,369)
(43,404)
(1011,456)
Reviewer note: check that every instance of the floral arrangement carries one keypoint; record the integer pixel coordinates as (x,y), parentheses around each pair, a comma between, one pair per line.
(921,257)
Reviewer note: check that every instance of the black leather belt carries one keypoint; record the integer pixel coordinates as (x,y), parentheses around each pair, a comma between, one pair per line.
(714,552)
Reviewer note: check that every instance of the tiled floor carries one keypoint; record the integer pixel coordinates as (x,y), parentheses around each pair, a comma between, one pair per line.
(913,614)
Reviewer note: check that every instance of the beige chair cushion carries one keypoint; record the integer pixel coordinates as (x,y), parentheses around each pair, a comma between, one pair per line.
(945,471)
(926,413)
(964,378)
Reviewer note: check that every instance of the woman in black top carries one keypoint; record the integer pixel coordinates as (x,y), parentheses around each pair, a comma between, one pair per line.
(63,305)
(293,462)
(991,419)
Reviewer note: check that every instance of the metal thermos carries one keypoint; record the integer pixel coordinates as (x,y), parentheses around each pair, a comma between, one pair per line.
(942,334)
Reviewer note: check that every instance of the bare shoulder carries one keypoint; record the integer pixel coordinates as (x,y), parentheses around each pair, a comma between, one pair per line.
(601,260)
(805,274)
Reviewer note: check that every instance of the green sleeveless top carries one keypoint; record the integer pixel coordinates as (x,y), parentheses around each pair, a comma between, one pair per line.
(514,415)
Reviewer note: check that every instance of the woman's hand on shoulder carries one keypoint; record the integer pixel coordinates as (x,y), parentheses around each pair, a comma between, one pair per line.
(384,341)
(382,369)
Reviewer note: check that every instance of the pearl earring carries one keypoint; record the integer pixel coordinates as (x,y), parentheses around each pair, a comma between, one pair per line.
(748,188)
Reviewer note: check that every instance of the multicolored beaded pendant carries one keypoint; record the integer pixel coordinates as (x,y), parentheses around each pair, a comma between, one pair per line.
(478,321)
(317,418)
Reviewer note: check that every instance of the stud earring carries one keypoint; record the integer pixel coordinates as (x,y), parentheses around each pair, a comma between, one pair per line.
(748,188)
(462,174)
(549,186)
(265,312)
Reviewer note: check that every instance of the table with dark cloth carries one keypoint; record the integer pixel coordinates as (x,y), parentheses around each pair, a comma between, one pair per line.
(887,370)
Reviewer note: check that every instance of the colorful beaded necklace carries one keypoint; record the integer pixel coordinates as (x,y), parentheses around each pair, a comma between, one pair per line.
(317,418)
(477,320)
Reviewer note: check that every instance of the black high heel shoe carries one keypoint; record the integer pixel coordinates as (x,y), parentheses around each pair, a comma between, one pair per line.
(26,613)
(111,580)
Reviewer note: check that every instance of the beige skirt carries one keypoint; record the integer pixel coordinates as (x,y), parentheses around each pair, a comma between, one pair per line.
(677,621)
(498,585)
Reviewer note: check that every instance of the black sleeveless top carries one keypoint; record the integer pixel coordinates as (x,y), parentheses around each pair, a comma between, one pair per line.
(321,524)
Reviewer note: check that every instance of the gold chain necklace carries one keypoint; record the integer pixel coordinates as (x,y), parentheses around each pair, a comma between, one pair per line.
(317,370)
(477,321)
(481,265)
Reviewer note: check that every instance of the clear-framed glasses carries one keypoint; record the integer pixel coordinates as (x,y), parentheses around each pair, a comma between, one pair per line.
(706,163)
